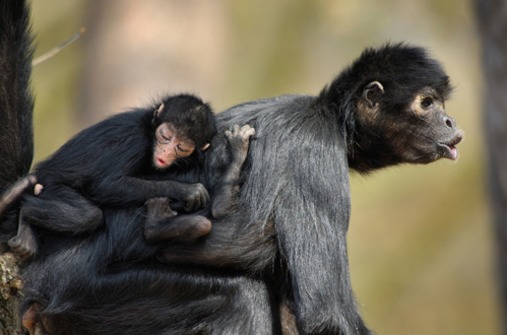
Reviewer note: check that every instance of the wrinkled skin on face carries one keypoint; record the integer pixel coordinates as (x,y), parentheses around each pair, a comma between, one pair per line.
(436,135)
(169,146)
(417,132)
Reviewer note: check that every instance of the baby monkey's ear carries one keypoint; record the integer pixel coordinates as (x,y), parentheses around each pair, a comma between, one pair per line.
(157,112)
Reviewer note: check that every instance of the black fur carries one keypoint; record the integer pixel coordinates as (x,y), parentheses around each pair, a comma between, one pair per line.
(277,262)
(16,102)
(99,160)
(107,165)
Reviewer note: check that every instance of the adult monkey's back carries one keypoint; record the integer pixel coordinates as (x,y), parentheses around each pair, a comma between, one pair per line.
(285,245)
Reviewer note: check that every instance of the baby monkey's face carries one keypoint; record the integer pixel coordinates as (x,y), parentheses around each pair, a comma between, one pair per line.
(169,146)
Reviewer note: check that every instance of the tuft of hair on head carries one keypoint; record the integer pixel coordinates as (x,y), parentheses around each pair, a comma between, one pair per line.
(191,117)
(400,68)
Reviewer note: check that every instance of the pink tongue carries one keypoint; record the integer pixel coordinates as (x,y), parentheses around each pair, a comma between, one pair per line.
(454,153)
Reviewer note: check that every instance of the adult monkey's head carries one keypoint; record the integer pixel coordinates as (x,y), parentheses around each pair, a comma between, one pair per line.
(183,125)
(396,99)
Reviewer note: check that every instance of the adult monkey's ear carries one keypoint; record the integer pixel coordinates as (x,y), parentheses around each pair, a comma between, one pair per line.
(372,93)
(156,113)
(204,147)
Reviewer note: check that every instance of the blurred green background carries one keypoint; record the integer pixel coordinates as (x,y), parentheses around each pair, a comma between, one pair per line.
(420,241)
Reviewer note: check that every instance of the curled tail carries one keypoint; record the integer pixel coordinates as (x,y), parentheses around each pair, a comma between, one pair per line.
(16,100)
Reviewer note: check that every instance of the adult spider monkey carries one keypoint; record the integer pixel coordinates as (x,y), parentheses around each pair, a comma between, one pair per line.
(280,256)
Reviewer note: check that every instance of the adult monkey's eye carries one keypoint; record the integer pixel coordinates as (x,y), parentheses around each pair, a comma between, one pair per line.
(426,102)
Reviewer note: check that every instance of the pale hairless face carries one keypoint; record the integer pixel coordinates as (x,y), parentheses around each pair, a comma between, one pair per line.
(169,147)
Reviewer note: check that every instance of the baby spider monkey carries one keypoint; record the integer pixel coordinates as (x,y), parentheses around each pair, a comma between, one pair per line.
(124,161)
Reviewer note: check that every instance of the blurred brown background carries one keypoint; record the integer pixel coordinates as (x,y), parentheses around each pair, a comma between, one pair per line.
(421,248)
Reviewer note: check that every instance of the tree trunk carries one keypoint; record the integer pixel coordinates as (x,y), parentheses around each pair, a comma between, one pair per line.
(492,19)
(10,285)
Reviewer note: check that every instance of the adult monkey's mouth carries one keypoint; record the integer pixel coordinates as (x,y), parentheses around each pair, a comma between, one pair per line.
(449,149)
